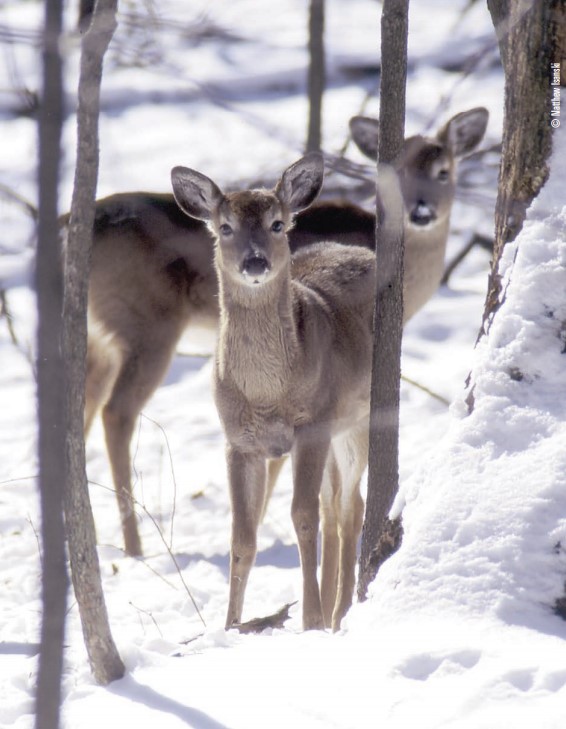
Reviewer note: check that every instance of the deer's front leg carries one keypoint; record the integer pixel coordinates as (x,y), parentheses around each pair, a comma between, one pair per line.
(246,475)
(309,456)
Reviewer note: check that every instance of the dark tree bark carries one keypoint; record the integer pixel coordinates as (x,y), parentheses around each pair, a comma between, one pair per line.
(380,536)
(316,75)
(85,570)
(531,38)
(50,379)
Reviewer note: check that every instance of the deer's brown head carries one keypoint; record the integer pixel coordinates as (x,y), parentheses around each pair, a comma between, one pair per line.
(250,226)
(426,165)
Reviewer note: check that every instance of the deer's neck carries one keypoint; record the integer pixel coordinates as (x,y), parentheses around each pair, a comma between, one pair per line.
(425,251)
(258,341)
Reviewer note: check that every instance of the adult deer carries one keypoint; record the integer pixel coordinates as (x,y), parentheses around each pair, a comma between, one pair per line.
(426,170)
(153,276)
(291,374)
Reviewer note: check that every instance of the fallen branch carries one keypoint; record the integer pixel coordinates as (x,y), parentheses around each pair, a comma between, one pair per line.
(258,625)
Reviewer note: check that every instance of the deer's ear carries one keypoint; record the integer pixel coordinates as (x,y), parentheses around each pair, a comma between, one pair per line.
(301,182)
(464,131)
(365,133)
(196,194)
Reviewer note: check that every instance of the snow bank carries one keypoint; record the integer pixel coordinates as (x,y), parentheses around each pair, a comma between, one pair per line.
(483,559)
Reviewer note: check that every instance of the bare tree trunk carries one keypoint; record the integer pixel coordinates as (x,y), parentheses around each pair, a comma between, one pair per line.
(316,75)
(85,570)
(530,39)
(50,379)
(380,536)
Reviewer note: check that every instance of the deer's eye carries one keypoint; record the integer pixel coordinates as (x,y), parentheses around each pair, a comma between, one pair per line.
(225,230)
(277,226)
(443,175)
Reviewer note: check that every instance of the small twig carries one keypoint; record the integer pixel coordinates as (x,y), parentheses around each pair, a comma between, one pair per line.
(174,506)
(5,311)
(435,395)
(144,562)
(190,640)
(469,67)
(37,539)
(156,525)
(149,615)
(19,478)
(176,565)
(476,239)
(349,168)
(258,625)
(29,207)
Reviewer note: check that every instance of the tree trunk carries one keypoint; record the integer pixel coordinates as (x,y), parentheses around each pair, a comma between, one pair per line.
(316,76)
(85,570)
(380,536)
(531,38)
(50,379)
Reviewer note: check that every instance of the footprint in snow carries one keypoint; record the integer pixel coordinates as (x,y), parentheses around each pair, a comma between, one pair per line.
(421,667)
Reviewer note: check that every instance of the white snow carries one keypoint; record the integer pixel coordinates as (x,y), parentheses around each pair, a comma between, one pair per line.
(459,629)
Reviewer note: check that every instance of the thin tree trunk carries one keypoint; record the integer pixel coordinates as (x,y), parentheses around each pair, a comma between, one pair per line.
(316,75)
(530,39)
(85,569)
(50,379)
(380,536)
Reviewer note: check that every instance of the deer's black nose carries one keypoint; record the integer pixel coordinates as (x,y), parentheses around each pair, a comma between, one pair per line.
(422,214)
(255,264)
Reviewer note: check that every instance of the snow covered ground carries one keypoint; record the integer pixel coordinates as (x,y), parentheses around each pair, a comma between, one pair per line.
(459,630)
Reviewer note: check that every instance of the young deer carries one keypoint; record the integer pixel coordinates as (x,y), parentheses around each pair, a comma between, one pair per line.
(153,277)
(292,372)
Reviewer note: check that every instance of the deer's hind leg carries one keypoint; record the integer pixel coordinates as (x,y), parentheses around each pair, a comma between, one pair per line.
(350,525)
(102,365)
(330,543)
(142,369)
(309,456)
(274,467)
(350,453)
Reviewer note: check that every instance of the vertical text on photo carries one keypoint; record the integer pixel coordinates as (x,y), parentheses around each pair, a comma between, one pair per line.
(555,97)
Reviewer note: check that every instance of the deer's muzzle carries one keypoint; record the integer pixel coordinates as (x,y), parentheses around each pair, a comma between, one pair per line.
(255,267)
(422,214)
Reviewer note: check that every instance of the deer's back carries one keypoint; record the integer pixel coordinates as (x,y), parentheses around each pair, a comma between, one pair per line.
(150,264)
(333,220)
(343,275)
